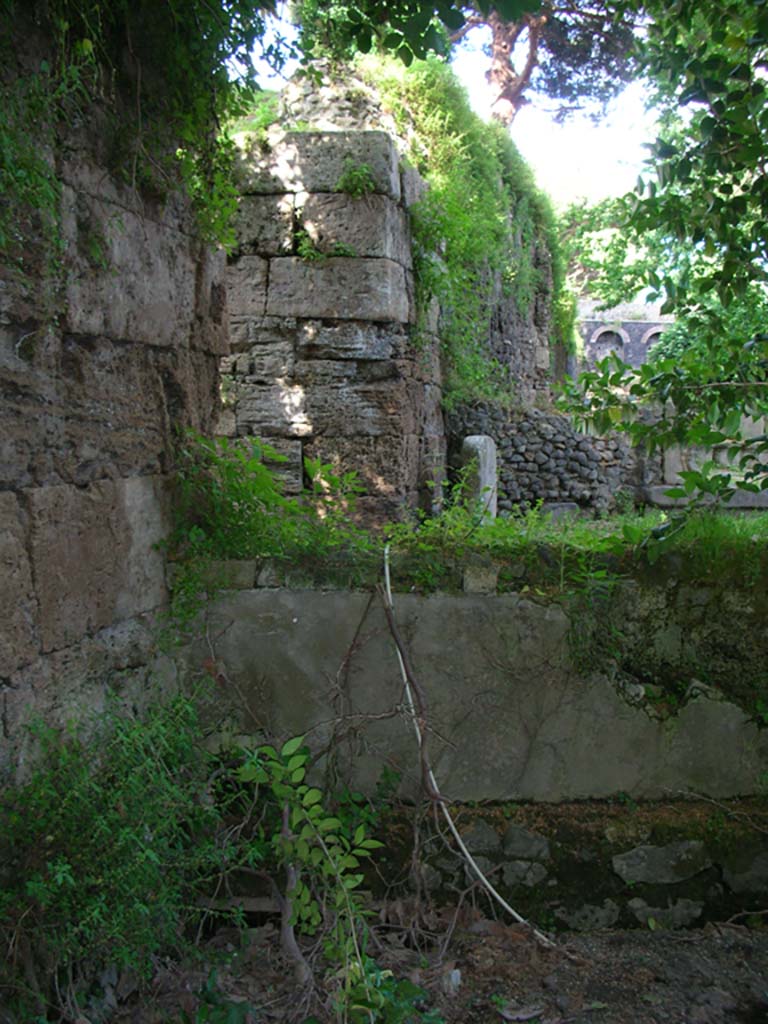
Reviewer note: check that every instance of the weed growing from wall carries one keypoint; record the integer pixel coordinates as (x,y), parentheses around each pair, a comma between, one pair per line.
(229,505)
(356,179)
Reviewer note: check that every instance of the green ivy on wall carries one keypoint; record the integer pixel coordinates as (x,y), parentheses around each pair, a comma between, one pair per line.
(153,82)
(482,221)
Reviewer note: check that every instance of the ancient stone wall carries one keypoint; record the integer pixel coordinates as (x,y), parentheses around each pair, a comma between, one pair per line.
(321,302)
(519,335)
(102,354)
(542,458)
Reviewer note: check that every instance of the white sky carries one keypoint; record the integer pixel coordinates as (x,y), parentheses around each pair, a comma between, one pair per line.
(577,159)
(574,160)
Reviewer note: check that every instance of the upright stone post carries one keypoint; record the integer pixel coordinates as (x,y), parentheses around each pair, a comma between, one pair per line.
(479,450)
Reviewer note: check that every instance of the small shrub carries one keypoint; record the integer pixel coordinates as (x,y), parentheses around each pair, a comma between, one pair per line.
(356,179)
(104,851)
(307,250)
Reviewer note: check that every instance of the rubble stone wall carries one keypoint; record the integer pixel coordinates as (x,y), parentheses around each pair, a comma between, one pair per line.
(101,357)
(543,458)
(321,304)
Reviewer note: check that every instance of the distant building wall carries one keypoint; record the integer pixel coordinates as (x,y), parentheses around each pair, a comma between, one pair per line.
(631,340)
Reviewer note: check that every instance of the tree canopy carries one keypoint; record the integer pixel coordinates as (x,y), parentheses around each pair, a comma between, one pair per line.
(706,199)
(569,50)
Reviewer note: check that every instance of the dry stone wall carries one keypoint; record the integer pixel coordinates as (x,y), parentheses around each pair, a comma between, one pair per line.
(542,458)
(100,358)
(321,303)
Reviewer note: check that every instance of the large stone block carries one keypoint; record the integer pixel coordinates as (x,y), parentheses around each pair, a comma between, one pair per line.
(209,329)
(315,162)
(132,279)
(412,186)
(264,225)
(142,504)
(93,555)
(340,288)
(277,410)
(84,408)
(247,286)
(351,340)
(373,226)
(362,409)
(267,363)
(73,685)
(17,600)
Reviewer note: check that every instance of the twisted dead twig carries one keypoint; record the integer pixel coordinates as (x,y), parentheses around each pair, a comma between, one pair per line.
(417,706)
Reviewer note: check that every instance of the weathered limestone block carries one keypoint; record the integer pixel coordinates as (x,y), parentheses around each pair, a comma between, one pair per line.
(362,409)
(247,331)
(314,373)
(247,286)
(349,340)
(277,410)
(208,330)
(263,363)
(79,409)
(92,555)
(71,684)
(315,161)
(479,450)
(142,504)
(264,225)
(17,600)
(130,278)
(413,188)
(339,288)
(374,226)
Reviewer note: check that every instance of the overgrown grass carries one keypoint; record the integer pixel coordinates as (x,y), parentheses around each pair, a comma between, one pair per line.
(230,507)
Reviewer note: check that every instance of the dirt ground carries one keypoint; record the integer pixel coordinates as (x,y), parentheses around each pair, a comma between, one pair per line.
(479,971)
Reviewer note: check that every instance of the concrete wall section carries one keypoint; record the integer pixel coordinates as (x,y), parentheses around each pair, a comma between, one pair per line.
(508,718)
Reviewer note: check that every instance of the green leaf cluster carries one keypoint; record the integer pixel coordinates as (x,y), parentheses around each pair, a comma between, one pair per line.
(325,857)
(356,179)
(104,850)
(697,223)
(229,504)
